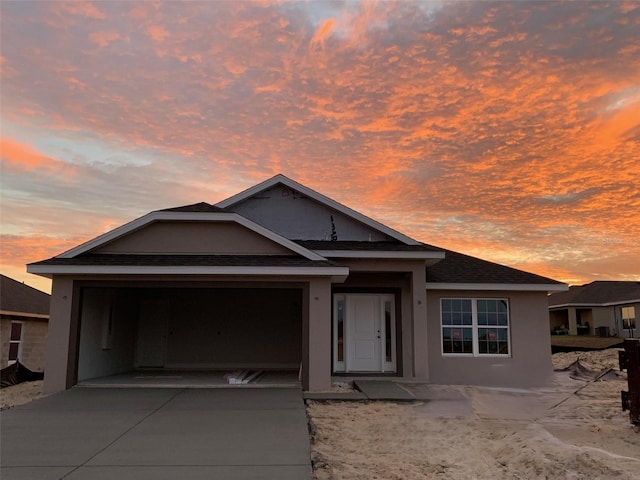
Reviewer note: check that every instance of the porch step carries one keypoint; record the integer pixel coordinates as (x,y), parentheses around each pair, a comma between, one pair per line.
(383,390)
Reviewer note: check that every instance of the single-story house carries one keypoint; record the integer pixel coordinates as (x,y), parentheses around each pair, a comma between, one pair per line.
(280,276)
(609,308)
(24,317)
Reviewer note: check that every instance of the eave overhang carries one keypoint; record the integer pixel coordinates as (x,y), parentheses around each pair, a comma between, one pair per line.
(524,287)
(588,305)
(416,255)
(337,273)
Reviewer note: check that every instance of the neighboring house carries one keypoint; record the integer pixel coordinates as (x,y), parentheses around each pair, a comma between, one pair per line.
(280,276)
(24,315)
(586,309)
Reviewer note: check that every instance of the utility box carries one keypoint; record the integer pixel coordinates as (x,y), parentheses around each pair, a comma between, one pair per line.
(602,331)
(629,360)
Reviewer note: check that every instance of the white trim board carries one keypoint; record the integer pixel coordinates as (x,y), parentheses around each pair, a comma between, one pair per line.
(609,304)
(186,270)
(281,179)
(149,218)
(530,287)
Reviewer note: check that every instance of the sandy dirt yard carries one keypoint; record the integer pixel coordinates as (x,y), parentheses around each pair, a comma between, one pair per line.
(19,394)
(482,433)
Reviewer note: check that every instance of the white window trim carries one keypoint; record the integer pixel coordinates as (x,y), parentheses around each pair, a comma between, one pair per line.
(474,329)
(19,342)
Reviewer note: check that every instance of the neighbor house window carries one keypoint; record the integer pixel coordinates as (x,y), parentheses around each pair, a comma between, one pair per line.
(15,339)
(475,326)
(628,317)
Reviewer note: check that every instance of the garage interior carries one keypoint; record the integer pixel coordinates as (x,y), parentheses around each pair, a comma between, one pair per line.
(199,335)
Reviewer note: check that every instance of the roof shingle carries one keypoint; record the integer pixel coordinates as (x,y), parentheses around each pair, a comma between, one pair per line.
(599,292)
(18,297)
(459,268)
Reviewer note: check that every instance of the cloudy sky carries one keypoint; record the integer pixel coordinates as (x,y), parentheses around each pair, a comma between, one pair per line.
(507,130)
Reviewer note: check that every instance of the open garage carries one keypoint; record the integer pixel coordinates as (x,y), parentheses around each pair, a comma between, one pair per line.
(188,328)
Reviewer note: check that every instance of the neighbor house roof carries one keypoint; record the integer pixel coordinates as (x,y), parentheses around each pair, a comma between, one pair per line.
(599,293)
(459,271)
(16,297)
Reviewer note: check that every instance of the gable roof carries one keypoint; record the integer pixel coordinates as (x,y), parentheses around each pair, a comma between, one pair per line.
(599,293)
(190,213)
(16,297)
(287,182)
(458,271)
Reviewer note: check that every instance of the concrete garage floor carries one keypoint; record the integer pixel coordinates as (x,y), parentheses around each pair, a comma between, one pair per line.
(193,379)
(158,433)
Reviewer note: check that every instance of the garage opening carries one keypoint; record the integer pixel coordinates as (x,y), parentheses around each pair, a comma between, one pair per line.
(189,329)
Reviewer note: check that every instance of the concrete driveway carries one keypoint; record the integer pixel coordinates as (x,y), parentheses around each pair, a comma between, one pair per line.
(140,433)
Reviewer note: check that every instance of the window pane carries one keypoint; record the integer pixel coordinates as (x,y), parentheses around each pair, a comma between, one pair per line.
(16,331)
(492,312)
(340,332)
(387,330)
(493,341)
(13,351)
(457,340)
(456,312)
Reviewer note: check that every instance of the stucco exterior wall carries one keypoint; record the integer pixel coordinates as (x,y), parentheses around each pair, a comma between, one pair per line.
(221,238)
(529,363)
(298,217)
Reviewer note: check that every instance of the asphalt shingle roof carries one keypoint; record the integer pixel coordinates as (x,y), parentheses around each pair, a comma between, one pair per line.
(18,297)
(597,293)
(459,268)
(188,260)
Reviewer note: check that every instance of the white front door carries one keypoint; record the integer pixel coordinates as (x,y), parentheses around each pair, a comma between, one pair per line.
(363,327)
(152,334)
(364,333)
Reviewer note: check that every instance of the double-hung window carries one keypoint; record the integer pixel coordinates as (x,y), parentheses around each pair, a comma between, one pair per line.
(628,317)
(475,326)
(15,342)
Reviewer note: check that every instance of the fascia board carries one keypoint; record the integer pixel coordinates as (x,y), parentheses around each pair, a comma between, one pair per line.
(529,287)
(608,304)
(47,270)
(379,254)
(319,198)
(188,217)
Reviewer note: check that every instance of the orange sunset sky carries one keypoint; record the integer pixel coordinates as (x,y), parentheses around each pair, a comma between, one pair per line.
(505,130)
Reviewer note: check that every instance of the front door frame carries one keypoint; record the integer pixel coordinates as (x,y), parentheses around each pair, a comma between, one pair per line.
(342,337)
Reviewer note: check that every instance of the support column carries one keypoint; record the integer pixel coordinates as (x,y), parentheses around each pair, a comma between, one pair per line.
(317,336)
(573,321)
(419,322)
(57,368)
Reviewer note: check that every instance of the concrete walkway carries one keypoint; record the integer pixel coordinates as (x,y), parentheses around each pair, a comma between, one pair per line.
(105,433)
